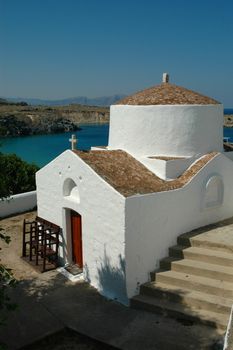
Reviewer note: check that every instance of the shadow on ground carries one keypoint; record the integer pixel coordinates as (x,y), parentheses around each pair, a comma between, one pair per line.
(50,304)
(68,339)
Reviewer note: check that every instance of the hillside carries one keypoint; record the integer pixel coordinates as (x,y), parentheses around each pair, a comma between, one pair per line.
(18,120)
(5,102)
(83,100)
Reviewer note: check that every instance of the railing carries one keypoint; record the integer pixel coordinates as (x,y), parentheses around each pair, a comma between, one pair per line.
(40,244)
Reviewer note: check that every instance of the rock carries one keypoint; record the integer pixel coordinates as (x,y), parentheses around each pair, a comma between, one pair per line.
(16,120)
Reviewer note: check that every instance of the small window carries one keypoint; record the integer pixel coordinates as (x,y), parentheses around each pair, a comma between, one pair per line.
(70,189)
(213,192)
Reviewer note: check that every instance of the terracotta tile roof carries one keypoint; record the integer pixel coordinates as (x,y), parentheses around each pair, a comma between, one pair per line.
(167,94)
(129,177)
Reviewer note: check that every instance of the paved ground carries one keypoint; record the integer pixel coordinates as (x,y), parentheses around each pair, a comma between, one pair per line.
(218,233)
(48,303)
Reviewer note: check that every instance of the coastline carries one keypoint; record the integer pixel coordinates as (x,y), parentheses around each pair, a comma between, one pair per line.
(18,120)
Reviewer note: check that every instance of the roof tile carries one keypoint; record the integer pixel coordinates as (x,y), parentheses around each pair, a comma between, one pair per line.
(129,177)
(167,94)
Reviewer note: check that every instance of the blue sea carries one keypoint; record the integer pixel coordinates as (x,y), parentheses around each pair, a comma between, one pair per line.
(228,110)
(41,149)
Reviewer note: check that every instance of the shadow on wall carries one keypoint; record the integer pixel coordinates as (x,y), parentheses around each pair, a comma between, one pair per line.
(111,279)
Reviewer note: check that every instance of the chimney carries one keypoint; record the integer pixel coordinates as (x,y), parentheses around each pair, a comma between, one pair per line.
(165,78)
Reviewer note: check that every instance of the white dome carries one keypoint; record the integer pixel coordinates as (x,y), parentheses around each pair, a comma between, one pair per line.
(166,120)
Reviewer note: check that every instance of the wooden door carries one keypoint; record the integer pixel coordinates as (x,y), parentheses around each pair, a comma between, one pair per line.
(76,229)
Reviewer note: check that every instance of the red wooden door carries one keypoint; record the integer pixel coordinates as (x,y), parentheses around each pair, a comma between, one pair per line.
(76,227)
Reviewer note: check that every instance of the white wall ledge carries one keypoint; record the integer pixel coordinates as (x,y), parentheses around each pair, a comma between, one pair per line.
(18,203)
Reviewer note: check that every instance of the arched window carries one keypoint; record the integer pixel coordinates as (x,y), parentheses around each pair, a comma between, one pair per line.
(214,191)
(70,190)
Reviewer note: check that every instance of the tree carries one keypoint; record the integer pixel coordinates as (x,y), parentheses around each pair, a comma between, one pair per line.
(16,176)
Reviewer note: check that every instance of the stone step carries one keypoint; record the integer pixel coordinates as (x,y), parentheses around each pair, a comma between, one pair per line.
(187,297)
(197,283)
(196,280)
(177,251)
(203,269)
(202,254)
(176,310)
(211,245)
(165,264)
(204,241)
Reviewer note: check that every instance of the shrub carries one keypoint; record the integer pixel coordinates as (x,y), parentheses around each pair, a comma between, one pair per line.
(16,176)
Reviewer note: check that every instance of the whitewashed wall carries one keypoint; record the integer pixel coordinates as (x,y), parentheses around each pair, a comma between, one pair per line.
(18,203)
(103,220)
(154,221)
(169,130)
(229,333)
(124,239)
(229,155)
(169,169)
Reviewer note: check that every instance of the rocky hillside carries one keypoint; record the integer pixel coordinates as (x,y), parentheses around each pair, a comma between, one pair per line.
(18,120)
(228,120)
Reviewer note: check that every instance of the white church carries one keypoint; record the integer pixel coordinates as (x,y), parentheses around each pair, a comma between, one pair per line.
(120,207)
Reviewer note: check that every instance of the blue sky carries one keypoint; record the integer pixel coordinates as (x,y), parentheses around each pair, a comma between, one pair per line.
(66,48)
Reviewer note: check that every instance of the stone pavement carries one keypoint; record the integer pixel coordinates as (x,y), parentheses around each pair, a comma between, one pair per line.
(50,302)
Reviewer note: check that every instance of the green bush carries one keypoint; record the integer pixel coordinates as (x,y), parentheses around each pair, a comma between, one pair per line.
(16,175)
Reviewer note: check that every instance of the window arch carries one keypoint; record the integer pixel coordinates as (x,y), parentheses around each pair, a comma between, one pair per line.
(70,189)
(214,191)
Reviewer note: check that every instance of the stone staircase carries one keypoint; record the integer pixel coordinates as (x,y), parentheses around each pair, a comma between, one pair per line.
(195,283)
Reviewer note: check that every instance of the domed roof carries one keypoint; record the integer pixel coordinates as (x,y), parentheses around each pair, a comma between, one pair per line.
(167,94)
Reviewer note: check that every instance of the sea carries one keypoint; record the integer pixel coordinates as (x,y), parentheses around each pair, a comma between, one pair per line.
(41,149)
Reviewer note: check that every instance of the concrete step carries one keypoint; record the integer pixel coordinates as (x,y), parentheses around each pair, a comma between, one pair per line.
(185,239)
(177,251)
(204,269)
(165,264)
(196,280)
(197,283)
(213,256)
(211,245)
(176,310)
(205,241)
(187,297)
